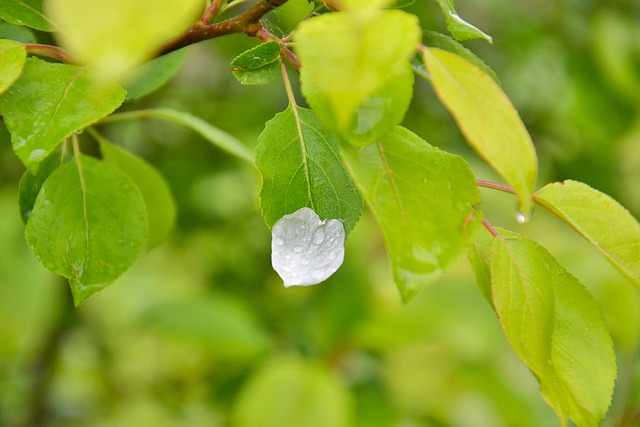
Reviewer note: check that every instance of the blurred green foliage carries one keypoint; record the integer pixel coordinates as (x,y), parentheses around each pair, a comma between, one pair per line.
(201,331)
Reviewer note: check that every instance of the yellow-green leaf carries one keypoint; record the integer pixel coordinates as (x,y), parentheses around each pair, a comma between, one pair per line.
(117,35)
(350,56)
(487,119)
(423,199)
(12,57)
(600,219)
(555,327)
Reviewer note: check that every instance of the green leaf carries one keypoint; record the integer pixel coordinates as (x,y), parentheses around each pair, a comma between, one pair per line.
(479,255)
(88,224)
(293,392)
(12,58)
(26,12)
(487,119)
(259,65)
(375,116)
(117,35)
(350,57)
(217,323)
(31,182)
(154,74)
(161,209)
(444,42)
(555,327)
(423,199)
(16,32)
(300,166)
(600,219)
(458,27)
(212,134)
(48,103)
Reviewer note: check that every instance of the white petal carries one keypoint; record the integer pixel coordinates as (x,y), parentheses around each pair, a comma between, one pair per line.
(305,250)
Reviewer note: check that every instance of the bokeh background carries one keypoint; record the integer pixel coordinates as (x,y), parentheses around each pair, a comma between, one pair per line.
(201,332)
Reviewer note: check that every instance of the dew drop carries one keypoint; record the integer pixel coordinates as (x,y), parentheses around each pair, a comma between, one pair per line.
(318,238)
(298,249)
(522,218)
(278,241)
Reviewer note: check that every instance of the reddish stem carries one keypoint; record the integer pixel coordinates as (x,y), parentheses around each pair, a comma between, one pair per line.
(495,186)
(491,229)
(50,51)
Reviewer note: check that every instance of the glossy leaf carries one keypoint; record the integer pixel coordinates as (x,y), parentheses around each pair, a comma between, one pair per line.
(555,327)
(423,199)
(16,32)
(161,209)
(12,58)
(600,219)
(26,12)
(259,65)
(300,166)
(458,27)
(373,49)
(88,224)
(487,119)
(375,116)
(31,182)
(48,103)
(216,323)
(154,74)
(293,392)
(126,34)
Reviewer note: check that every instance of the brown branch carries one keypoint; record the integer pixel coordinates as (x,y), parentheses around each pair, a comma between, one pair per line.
(247,22)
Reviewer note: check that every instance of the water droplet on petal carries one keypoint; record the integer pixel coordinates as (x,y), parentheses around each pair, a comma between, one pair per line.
(318,238)
(278,241)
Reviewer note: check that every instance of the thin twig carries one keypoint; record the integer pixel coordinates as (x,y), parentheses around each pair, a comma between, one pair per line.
(495,186)
(490,227)
(247,22)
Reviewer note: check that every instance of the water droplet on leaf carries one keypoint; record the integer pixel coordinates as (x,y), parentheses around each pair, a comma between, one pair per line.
(522,218)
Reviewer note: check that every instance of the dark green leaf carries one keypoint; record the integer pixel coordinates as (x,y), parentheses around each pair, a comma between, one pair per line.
(378,113)
(555,327)
(459,28)
(154,74)
(300,166)
(444,42)
(487,119)
(26,12)
(600,219)
(12,59)
(31,182)
(217,323)
(88,224)
(16,32)
(161,209)
(424,200)
(293,392)
(259,65)
(48,103)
